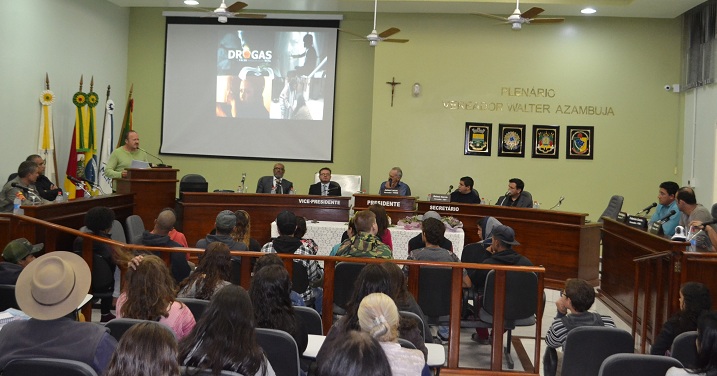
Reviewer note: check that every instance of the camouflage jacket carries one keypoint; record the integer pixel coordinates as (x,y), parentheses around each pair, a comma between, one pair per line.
(364,245)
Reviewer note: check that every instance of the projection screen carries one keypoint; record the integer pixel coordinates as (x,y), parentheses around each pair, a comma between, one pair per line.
(249,88)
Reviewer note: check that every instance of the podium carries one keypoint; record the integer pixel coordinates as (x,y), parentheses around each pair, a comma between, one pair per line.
(396,206)
(154,189)
(199,210)
(560,241)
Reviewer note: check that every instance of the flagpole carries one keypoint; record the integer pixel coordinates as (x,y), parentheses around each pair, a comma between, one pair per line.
(127,120)
(54,152)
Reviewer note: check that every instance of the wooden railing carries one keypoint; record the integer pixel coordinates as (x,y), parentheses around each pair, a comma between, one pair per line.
(658,277)
(51,231)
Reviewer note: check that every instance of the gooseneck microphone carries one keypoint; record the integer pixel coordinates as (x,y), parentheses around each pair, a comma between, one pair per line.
(560,202)
(450,188)
(502,199)
(713,213)
(79,184)
(665,218)
(161,162)
(648,208)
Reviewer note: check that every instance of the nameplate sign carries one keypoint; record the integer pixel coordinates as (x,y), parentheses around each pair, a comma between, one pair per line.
(437,197)
(621,217)
(322,201)
(444,208)
(656,228)
(637,222)
(390,192)
(393,204)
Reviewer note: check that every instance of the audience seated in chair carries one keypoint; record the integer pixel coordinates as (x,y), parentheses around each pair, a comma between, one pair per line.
(382,220)
(159,237)
(417,242)
(17,255)
(694,299)
(357,355)
(49,333)
(273,259)
(286,243)
(148,348)
(269,294)
(373,278)
(99,221)
(378,316)
(366,242)
(577,297)
(224,226)
(149,294)
(242,231)
(211,274)
(403,299)
(224,337)
(706,348)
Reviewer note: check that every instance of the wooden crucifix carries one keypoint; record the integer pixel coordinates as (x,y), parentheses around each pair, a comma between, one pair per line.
(393,84)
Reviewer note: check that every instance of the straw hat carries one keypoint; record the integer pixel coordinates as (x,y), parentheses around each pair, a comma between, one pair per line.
(53,285)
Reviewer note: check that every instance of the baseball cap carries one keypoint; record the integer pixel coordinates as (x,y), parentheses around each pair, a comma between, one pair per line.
(226,219)
(431,214)
(505,234)
(18,249)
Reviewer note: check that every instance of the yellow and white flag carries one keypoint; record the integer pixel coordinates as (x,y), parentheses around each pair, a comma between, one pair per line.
(46,142)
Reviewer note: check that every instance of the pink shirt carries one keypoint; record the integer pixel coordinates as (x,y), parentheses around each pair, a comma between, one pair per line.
(180,319)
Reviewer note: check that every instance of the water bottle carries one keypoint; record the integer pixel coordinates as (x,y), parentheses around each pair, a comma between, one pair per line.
(482,201)
(60,198)
(292,191)
(273,189)
(536,205)
(16,205)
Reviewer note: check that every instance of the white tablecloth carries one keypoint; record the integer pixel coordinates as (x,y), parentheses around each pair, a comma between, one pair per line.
(327,234)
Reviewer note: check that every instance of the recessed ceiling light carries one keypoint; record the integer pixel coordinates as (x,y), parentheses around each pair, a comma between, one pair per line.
(191,2)
(588,11)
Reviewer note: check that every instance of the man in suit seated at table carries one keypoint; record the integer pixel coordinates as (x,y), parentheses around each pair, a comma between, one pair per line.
(394,183)
(48,290)
(365,243)
(275,183)
(325,187)
(515,196)
(465,194)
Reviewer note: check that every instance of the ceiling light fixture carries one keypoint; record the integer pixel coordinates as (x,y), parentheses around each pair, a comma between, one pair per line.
(588,11)
(191,2)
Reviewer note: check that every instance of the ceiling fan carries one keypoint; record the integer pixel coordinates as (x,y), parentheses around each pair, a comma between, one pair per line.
(225,12)
(376,37)
(517,19)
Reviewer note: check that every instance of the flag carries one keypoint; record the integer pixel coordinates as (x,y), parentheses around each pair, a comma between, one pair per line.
(46,140)
(90,170)
(127,120)
(76,161)
(105,183)
(70,188)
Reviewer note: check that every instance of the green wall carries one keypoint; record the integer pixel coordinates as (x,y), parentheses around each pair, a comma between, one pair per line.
(605,62)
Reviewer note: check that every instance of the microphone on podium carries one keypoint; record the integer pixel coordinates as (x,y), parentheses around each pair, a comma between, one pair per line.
(79,184)
(20,186)
(161,162)
(502,199)
(560,202)
(648,208)
(450,189)
(665,218)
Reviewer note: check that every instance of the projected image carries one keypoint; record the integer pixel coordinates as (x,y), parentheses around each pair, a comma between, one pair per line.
(277,75)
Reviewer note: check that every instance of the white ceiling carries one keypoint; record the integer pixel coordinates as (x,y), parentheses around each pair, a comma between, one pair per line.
(606,8)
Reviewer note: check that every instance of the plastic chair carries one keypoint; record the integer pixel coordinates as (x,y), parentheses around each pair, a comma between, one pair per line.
(684,349)
(47,367)
(637,365)
(434,285)
(235,277)
(345,275)
(419,321)
(299,278)
(119,326)
(521,297)
(281,350)
(197,306)
(7,297)
(613,208)
(135,229)
(118,232)
(586,347)
(311,319)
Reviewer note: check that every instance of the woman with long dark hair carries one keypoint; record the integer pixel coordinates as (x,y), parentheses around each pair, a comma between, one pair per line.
(212,273)
(357,355)
(242,231)
(382,222)
(224,337)
(147,348)
(269,294)
(706,363)
(373,278)
(404,300)
(694,300)
(149,294)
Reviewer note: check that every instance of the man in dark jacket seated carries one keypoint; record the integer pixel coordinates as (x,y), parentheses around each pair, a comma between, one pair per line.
(159,237)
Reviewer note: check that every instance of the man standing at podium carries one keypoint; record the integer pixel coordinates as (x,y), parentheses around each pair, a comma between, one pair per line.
(666,197)
(122,157)
(394,183)
(325,187)
(275,183)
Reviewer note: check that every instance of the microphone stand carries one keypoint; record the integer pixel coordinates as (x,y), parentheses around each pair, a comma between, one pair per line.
(560,202)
